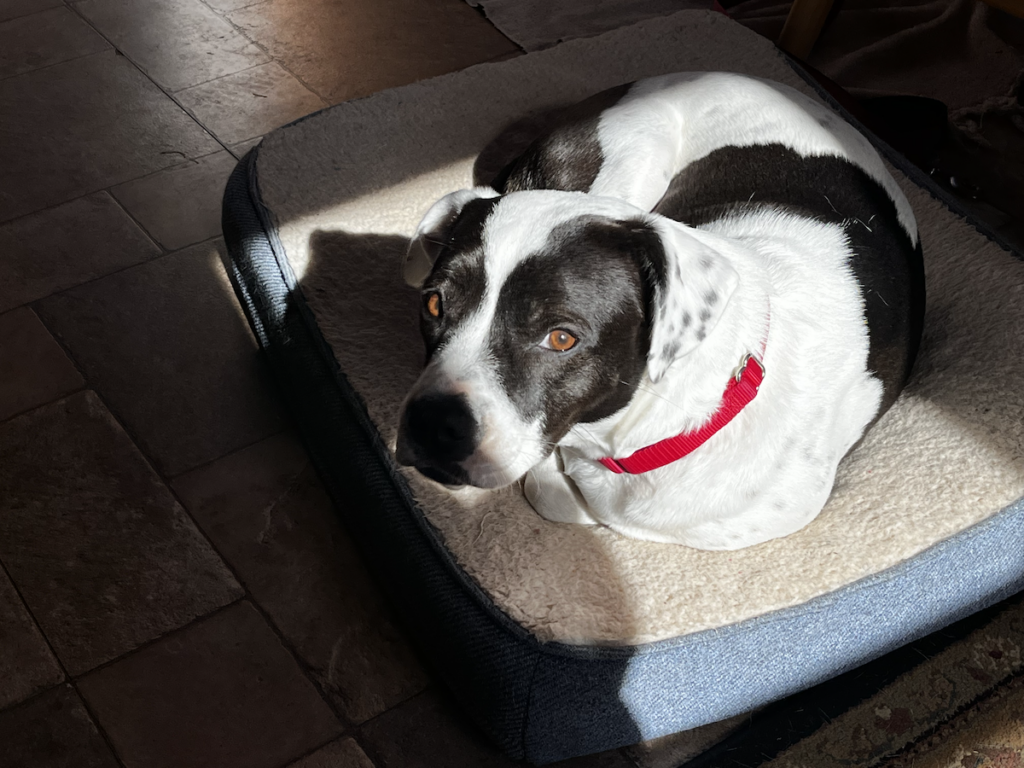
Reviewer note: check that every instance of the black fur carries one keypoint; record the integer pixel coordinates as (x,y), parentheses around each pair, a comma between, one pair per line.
(569,157)
(458,274)
(586,280)
(889,269)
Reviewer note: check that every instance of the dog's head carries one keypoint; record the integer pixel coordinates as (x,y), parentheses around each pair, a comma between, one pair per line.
(542,310)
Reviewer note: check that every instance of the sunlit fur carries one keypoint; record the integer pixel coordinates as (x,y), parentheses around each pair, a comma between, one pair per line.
(771,470)
(664,124)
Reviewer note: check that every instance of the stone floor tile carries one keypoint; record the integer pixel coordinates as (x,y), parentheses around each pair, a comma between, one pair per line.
(14,9)
(113,125)
(178,44)
(53,730)
(101,552)
(239,150)
(230,5)
(267,513)
(335,46)
(250,103)
(35,368)
(66,246)
(45,38)
(223,692)
(166,346)
(426,732)
(26,664)
(180,206)
(343,753)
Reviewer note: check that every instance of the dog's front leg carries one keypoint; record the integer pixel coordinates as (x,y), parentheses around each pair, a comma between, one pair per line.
(554,495)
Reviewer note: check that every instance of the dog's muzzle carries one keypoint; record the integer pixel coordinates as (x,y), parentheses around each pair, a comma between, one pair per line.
(436,433)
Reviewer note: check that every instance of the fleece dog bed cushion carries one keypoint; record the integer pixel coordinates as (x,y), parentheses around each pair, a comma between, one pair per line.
(562,640)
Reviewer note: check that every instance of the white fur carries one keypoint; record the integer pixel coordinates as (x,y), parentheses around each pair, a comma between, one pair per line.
(770,471)
(665,123)
(424,247)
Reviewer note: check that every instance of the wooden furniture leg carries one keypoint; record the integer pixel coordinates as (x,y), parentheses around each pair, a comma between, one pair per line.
(803,25)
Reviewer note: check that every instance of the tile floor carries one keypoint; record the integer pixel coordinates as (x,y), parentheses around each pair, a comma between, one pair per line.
(174,587)
(175,590)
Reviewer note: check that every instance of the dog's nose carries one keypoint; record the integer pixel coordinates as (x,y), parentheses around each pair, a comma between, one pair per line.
(437,430)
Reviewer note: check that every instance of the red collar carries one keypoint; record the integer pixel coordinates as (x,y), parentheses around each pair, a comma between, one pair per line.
(741,389)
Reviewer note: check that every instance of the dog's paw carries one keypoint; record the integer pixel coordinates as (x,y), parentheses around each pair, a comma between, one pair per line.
(554,495)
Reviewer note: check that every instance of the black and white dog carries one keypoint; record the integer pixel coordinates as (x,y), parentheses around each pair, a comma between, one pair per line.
(675,313)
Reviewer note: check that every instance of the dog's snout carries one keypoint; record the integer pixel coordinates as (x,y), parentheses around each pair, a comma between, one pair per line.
(437,429)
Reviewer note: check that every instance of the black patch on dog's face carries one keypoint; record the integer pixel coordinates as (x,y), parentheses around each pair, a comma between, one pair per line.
(458,275)
(594,279)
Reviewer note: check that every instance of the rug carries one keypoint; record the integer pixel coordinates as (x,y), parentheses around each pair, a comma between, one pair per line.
(960,705)
(954,699)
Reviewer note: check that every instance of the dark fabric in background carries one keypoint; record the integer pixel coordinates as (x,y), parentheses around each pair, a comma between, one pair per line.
(960,52)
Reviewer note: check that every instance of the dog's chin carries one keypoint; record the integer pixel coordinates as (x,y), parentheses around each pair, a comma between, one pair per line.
(443,477)
(459,478)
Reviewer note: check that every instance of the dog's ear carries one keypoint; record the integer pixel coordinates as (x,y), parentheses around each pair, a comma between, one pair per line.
(692,285)
(433,231)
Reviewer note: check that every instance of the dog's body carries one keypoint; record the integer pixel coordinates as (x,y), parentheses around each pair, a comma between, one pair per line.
(666,230)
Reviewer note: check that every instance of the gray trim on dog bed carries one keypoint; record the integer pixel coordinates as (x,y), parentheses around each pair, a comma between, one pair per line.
(549,700)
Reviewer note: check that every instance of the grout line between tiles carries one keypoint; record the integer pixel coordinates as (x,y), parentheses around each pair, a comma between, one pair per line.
(190,86)
(68,679)
(349,733)
(173,94)
(21,216)
(163,251)
(160,638)
(176,167)
(31,614)
(290,428)
(145,74)
(303,666)
(42,692)
(157,257)
(368,749)
(429,687)
(57,399)
(360,740)
(61,4)
(55,63)
(223,15)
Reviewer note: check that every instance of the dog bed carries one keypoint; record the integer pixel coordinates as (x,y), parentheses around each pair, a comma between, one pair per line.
(564,640)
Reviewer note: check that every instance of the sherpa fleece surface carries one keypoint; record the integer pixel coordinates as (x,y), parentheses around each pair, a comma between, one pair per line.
(347,187)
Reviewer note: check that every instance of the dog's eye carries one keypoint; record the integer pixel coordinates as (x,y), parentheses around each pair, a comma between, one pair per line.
(433,304)
(560,341)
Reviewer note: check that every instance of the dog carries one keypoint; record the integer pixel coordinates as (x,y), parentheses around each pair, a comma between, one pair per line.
(674,313)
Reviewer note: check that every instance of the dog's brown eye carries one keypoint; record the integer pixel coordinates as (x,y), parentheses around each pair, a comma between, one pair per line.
(434,304)
(560,341)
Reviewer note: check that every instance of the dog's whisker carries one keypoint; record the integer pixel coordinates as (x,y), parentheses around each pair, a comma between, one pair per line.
(651,392)
(587,432)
